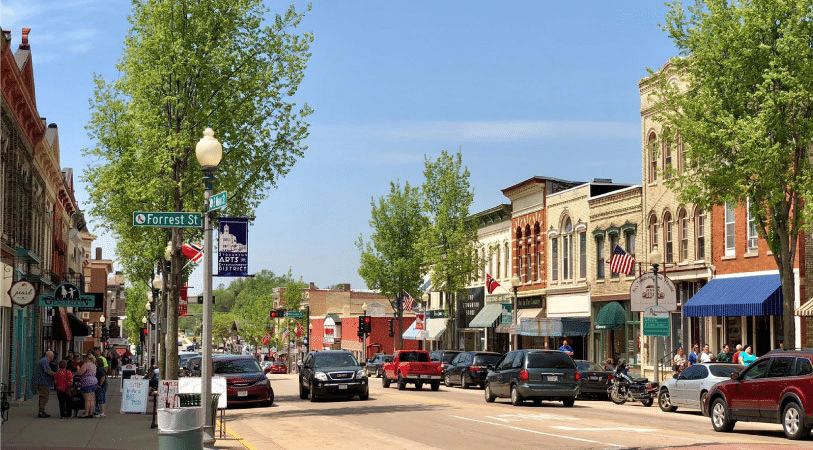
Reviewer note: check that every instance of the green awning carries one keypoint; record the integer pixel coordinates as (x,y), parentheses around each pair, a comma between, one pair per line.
(486,317)
(611,316)
(335,317)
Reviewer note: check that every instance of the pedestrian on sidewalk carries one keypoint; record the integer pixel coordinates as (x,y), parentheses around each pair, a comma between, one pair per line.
(101,392)
(63,381)
(44,381)
(88,384)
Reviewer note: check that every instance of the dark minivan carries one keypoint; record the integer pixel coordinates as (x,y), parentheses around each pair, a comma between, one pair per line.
(534,375)
(470,368)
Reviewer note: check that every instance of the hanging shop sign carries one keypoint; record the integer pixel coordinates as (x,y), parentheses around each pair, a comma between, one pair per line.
(22,292)
(67,295)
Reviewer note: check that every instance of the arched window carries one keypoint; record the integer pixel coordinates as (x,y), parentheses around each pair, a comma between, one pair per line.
(652,147)
(730,230)
(683,223)
(527,264)
(653,232)
(567,250)
(518,253)
(507,256)
(497,260)
(668,234)
(537,253)
(667,156)
(700,233)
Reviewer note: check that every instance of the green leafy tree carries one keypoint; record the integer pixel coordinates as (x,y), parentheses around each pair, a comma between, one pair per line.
(449,242)
(739,98)
(254,302)
(185,66)
(391,261)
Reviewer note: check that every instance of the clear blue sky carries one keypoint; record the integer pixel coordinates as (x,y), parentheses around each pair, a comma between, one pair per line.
(522,88)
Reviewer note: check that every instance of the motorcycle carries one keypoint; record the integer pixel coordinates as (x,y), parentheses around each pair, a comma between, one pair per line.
(625,388)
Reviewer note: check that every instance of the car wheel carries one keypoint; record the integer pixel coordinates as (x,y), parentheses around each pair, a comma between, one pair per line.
(665,401)
(720,418)
(463,383)
(303,394)
(380,373)
(703,396)
(489,397)
(311,394)
(364,396)
(569,402)
(435,385)
(447,380)
(648,402)
(793,422)
(482,385)
(537,401)
(270,400)
(401,382)
(516,398)
(419,386)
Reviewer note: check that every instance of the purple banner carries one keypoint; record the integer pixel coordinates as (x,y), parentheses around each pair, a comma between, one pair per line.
(232,247)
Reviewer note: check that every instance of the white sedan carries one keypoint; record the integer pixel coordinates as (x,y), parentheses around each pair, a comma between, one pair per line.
(691,386)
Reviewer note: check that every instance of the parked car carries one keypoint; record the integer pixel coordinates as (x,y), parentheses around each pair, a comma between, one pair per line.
(332,373)
(246,382)
(279,367)
(594,380)
(444,357)
(375,364)
(536,375)
(266,365)
(470,368)
(776,388)
(183,357)
(691,386)
(411,366)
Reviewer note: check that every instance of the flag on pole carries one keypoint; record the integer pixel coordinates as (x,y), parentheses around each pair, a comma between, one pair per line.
(266,339)
(408,301)
(192,252)
(427,284)
(491,284)
(621,261)
(285,334)
(299,330)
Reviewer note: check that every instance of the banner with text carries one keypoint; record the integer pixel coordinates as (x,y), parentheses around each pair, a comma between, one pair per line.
(232,247)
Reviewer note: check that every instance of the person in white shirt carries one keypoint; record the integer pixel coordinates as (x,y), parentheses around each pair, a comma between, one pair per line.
(705,355)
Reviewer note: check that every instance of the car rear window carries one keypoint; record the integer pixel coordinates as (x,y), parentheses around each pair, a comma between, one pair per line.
(484,360)
(387,358)
(724,371)
(550,360)
(237,366)
(416,357)
(448,357)
(587,366)
(803,366)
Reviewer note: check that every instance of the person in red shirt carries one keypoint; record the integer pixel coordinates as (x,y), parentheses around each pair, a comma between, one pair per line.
(62,383)
(736,358)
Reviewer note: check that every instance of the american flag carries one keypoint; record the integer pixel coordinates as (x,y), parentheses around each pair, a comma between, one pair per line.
(285,334)
(408,301)
(621,261)
(299,329)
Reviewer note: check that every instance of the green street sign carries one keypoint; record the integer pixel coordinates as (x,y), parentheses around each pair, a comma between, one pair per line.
(217,201)
(294,314)
(167,219)
(656,321)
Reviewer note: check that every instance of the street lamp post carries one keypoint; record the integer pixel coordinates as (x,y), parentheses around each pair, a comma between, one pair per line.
(143,345)
(515,282)
(160,354)
(655,258)
(425,297)
(208,152)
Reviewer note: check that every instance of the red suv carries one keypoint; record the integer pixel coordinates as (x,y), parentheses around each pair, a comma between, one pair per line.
(776,388)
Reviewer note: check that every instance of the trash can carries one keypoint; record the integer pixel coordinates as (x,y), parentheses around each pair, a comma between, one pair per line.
(180,428)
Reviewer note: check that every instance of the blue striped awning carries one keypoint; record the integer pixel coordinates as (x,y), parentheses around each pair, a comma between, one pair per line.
(758,295)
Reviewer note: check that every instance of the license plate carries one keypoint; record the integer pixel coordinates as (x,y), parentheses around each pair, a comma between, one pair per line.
(242,393)
(593,378)
(552,378)
(342,386)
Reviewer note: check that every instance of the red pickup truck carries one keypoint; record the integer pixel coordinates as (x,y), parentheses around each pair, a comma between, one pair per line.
(412,366)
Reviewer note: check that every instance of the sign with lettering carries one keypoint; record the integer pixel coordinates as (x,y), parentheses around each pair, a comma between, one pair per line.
(22,292)
(469,304)
(168,219)
(645,289)
(168,394)
(67,295)
(134,395)
(529,302)
(506,317)
(232,247)
(193,385)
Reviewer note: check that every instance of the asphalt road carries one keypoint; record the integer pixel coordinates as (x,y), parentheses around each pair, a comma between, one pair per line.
(454,419)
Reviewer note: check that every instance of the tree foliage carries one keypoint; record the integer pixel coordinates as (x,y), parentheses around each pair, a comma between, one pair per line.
(739,98)
(187,65)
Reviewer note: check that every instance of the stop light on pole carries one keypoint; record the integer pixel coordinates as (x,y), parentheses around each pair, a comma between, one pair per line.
(365,324)
(277,313)
(143,335)
(391,325)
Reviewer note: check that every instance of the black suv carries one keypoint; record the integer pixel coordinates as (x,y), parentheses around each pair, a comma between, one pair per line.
(536,375)
(376,363)
(470,368)
(332,373)
(444,357)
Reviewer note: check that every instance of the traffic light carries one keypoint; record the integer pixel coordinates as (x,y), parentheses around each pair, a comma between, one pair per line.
(391,325)
(143,335)
(365,324)
(360,333)
(277,313)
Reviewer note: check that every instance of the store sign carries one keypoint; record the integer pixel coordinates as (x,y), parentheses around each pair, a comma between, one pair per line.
(22,292)
(232,247)
(645,289)
(67,295)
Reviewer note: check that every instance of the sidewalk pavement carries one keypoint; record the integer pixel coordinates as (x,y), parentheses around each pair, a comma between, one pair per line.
(24,431)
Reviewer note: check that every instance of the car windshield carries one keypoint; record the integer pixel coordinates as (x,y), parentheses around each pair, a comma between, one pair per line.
(334,360)
(484,360)
(550,360)
(237,366)
(724,371)
(587,366)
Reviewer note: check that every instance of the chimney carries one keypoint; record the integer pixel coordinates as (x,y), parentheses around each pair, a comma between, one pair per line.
(98,253)
(24,44)
(347,287)
(312,286)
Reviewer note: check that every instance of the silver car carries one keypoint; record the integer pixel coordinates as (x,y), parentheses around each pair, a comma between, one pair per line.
(690,387)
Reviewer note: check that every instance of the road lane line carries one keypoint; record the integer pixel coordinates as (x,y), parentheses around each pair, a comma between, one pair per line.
(637,430)
(573,438)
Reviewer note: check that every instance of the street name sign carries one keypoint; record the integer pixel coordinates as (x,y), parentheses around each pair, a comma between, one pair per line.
(217,201)
(656,321)
(167,219)
(294,314)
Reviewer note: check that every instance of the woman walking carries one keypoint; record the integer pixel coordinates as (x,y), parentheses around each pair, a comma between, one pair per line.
(88,384)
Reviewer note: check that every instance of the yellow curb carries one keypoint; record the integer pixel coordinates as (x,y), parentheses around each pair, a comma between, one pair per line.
(231,433)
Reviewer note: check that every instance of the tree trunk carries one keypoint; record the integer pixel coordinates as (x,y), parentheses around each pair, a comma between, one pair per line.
(788,301)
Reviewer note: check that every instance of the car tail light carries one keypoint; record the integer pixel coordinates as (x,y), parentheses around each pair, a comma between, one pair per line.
(610,377)
(475,368)
(523,375)
(578,377)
